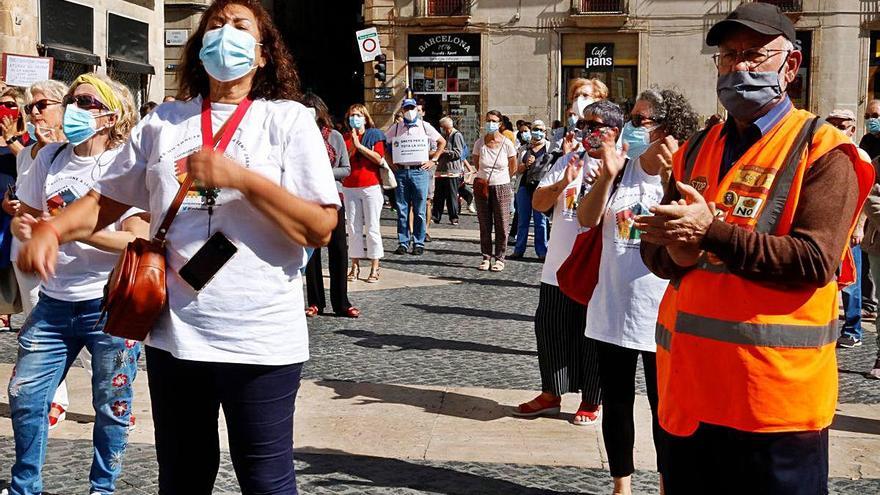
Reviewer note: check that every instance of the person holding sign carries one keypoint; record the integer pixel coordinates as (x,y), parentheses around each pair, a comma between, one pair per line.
(413,162)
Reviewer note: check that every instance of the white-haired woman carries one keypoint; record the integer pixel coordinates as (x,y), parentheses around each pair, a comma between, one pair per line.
(98,117)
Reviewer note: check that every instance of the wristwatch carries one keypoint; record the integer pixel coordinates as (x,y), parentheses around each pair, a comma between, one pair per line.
(13,139)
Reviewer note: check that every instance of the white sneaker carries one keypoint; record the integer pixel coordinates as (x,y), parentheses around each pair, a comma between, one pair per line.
(472,208)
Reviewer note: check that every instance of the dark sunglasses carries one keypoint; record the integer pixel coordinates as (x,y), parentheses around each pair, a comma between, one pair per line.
(86,102)
(592,127)
(842,126)
(639,120)
(874,115)
(9,104)
(40,105)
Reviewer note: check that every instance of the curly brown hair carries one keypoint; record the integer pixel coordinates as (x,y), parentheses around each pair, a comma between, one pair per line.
(277,80)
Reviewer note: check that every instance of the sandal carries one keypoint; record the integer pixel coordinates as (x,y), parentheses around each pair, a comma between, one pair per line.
(498,266)
(353,273)
(55,420)
(586,415)
(6,322)
(538,407)
(312,311)
(374,277)
(352,312)
(484,266)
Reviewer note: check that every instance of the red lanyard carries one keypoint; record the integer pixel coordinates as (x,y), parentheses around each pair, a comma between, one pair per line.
(224,136)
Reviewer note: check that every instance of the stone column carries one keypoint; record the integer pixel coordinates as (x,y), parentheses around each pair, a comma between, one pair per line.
(18,26)
(381,14)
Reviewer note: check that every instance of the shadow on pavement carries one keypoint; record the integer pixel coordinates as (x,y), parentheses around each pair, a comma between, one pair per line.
(855,424)
(495,282)
(334,468)
(432,401)
(373,340)
(481,313)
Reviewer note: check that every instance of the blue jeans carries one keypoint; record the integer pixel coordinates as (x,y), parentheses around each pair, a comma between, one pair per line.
(48,344)
(412,192)
(852,300)
(526,215)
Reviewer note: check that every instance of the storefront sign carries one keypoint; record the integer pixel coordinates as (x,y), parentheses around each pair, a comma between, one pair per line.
(368,44)
(444,48)
(24,70)
(599,57)
(383,93)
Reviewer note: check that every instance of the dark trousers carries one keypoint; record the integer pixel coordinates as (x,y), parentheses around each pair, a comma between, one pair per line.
(567,360)
(725,461)
(445,194)
(617,375)
(258,402)
(337,251)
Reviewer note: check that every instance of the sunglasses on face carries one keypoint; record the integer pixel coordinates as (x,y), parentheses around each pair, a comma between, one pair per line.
(9,104)
(85,102)
(639,120)
(874,115)
(842,125)
(592,127)
(40,105)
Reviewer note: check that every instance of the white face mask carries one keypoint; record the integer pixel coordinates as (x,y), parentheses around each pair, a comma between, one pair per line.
(411,115)
(580,104)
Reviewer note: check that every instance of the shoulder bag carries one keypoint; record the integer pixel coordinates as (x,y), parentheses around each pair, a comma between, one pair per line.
(136,294)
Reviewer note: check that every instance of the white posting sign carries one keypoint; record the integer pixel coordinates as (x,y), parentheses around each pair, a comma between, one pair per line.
(368,44)
(24,70)
(406,149)
(176,37)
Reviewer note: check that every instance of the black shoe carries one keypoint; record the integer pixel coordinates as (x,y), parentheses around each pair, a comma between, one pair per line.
(511,241)
(516,256)
(542,258)
(418,251)
(428,238)
(435,220)
(454,222)
(848,342)
(400,249)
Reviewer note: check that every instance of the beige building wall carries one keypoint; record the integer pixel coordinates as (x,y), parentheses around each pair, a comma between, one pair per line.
(522,63)
(19,30)
(179,15)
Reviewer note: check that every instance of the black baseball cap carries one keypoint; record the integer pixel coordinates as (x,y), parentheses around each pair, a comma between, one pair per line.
(761,17)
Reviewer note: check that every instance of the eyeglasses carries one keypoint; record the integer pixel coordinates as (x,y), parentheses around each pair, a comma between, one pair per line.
(874,115)
(753,57)
(86,102)
(842,125)
(639,120)
(592,126)
(9,104)
(40,105)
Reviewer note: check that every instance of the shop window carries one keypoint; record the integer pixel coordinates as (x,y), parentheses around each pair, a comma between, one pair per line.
(874,67)
(67,35)
(786,5)
(128,55)
(599,6)
(448,7)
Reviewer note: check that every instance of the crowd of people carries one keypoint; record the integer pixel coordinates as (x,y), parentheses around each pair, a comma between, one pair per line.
(674,213)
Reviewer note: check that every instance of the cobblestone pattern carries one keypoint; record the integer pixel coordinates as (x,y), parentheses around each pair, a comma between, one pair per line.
(336,472)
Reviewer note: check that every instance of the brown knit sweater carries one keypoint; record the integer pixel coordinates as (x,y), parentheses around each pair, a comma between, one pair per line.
(809,254)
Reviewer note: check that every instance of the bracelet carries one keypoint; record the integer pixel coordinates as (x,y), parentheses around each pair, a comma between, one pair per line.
(54,230)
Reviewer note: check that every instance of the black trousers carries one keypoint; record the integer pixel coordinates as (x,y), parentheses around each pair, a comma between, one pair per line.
(445,194)
(725,461)
(617,374)
(568,361)
(338,264)
(258,402)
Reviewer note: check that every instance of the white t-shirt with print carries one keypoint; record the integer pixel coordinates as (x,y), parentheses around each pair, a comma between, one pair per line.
(51,185)
(623,309)
(494,165)
(251,312)
(565,223)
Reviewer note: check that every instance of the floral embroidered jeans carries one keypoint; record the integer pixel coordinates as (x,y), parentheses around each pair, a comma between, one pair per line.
(48,344)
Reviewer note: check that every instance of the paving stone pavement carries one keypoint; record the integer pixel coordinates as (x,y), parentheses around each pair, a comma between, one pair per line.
(478,333)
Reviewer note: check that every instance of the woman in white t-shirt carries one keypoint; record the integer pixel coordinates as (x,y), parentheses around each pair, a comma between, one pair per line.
(495,158)
(241,341)
(622,312)
(99,114)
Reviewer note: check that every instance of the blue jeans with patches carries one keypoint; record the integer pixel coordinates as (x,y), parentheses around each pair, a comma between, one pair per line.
(48,344)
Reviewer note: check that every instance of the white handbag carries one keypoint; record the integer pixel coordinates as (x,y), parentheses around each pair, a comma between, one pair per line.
(386,176)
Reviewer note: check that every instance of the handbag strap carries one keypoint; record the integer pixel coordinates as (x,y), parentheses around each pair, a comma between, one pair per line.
(219,142)
(500,150)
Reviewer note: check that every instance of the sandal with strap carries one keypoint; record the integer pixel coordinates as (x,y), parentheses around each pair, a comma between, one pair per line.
(587,414)
(538,407)
(354,273)
(312,311)
(484,266)
(374,277)
(498,266)
(352,312)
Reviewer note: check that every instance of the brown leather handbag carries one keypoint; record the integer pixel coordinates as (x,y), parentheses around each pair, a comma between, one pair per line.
(136,294)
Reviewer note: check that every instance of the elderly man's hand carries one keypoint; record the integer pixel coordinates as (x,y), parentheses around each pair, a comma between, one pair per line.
(678,223)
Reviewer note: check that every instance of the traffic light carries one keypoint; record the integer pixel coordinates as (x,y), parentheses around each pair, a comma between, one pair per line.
(380,70)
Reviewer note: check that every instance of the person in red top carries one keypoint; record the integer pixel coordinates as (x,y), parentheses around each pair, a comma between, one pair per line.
(362,191)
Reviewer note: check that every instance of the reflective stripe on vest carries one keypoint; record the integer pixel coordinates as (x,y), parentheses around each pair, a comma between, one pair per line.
(663,336)
(755,334)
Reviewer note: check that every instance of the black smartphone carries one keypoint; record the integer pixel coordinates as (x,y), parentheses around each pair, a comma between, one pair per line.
(10,189)
(202,267)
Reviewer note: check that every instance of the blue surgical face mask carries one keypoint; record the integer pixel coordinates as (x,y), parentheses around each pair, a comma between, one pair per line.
(525,136)
(572,121)
(228,53)
(492,127)
(537,135)
(32,131)
(411,116)
(79,125)
(873,126)
(356,122)
(638,139)
(744,93)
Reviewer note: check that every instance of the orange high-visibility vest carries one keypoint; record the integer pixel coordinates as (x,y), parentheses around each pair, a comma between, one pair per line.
(754,356)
